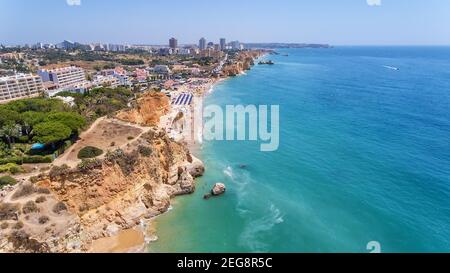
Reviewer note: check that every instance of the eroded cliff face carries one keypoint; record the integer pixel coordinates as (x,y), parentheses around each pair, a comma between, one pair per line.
(150,107)
(244,61)
(113,194)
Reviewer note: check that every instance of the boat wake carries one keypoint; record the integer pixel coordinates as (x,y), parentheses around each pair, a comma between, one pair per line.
(391,67)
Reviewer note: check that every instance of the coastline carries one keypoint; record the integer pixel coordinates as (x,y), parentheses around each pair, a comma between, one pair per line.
(139,238)
(194,146)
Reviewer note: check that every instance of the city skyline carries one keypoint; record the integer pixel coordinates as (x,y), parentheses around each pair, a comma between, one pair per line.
(361,22)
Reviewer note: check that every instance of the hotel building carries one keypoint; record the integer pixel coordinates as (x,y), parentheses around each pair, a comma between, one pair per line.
(64,78)
(20,86)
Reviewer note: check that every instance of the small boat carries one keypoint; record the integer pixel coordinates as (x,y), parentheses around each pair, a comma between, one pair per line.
(391,67)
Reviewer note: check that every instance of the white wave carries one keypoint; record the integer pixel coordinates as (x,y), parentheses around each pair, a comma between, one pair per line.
(229,172)
(251,236)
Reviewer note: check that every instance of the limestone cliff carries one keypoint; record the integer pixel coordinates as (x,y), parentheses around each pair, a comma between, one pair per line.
(112,194)
(244,61)
(148,111)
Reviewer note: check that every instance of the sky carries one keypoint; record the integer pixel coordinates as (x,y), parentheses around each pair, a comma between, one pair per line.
(336,22)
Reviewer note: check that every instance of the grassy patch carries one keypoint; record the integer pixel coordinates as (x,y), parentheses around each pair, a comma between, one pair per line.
(89,152)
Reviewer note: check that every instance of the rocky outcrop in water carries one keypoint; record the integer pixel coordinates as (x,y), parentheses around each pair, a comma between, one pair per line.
(218,189)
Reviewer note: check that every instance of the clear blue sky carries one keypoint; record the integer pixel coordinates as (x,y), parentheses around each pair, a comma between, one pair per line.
(348,22)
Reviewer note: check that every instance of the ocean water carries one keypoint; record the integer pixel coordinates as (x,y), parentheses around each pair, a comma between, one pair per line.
(364,156)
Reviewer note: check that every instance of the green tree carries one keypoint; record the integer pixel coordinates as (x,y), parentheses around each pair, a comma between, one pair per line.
(30,119)
(7,115)
(9,131)
(70,119)
(50,132)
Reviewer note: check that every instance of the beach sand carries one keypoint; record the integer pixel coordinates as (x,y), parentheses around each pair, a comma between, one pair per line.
(130,240)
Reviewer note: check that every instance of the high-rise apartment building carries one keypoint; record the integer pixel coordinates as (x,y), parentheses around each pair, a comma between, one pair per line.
(20,86)
(223,44)
(65,77)
(202,44)
(173,43)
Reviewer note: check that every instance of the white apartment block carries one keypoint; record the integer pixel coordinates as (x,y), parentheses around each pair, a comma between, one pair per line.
(20,86)
(65,77)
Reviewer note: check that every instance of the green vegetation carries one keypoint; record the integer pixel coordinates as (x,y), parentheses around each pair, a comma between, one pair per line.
(42,120)
(100,101)
(7,180)
(52,123)
(132,62)
(11,168)
(51,132)
(89,152)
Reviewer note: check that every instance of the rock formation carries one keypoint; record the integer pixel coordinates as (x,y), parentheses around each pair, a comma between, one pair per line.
(218,189)
(150,107)
(112,194)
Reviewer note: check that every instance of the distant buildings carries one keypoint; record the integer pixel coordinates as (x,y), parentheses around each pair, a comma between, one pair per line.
(141,75)
(202,44)
(236,45)
(116,47)
(161,69)
(66,45)
(223,44)
(119,73)
(64,78)
(107,81)
(20,86)
(173,43)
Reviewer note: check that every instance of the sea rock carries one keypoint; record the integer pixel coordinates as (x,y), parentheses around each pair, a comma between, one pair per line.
(207,196)
(196,168)
(218,189)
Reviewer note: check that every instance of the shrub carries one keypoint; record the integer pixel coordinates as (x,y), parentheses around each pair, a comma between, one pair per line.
(12,168)
(8,211)
(144,150)
(89,152)
(43,190)
(43,219)
(57,171)
(16,160)
(89,164)
(130,137)
(58,207)
(4,225)
(41,199)
(24,190)
(38,159)
(18,225)
(30,207)
(7,180)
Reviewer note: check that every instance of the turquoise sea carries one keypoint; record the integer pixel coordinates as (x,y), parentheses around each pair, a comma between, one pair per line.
(364,156)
